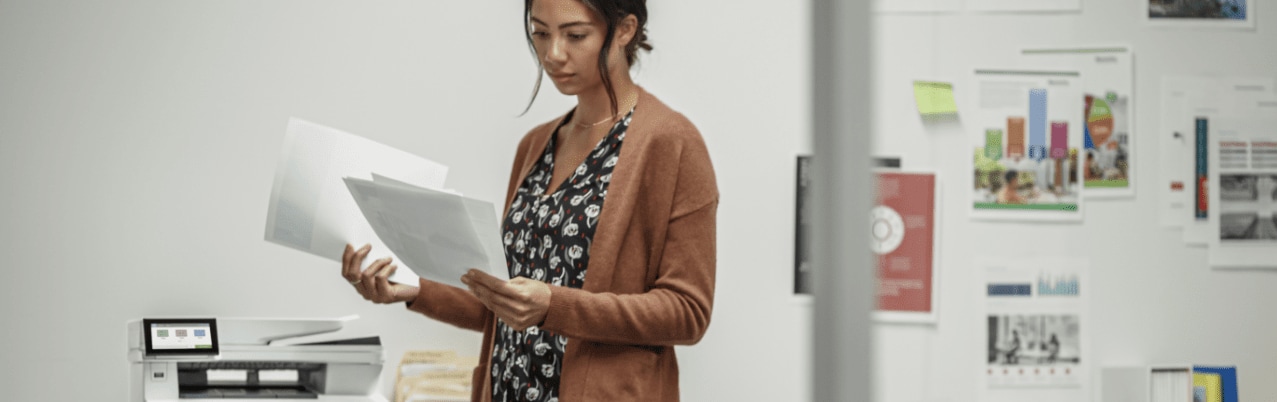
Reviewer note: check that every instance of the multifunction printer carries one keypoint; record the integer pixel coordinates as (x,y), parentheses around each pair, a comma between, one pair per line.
(249,359)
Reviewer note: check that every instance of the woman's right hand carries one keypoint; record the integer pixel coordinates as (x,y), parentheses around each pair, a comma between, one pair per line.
(373,283)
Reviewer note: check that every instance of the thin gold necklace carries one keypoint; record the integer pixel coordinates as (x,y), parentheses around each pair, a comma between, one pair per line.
(610,118)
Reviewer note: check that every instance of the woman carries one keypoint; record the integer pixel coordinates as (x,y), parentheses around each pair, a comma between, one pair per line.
(554,332)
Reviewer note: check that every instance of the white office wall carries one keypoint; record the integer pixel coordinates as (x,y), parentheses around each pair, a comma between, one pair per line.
(138,140)
(1153,299)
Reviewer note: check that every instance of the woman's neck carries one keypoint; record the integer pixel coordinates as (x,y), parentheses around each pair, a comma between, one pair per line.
(594,106)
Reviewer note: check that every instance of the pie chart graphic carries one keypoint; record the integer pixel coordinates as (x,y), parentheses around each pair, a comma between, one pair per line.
(887,229)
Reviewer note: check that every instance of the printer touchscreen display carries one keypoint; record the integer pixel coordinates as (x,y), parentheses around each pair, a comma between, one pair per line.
(181,337)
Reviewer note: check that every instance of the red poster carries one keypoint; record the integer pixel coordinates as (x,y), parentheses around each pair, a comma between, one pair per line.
(903,234)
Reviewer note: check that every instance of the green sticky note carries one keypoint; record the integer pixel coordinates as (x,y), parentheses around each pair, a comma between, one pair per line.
(934,98)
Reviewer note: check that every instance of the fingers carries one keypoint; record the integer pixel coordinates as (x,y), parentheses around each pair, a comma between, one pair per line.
(368,278)
(516,314)
(384,290)
(491,282)
(501,306)
(357,259)
(348,270)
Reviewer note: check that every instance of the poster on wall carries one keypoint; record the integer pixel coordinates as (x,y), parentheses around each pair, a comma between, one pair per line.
(1036,323)
(1026,142)
(1243,157)
(1201,13)
(1197,229)
(903,227)
(1176,134)
(1108,134)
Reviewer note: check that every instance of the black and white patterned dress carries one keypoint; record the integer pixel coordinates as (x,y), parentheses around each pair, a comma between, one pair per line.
(547,238)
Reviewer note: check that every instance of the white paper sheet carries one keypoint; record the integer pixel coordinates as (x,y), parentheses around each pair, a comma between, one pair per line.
(1036,311)
(438,235)
(1108,83)
(1176,135)
(310,207)
(1243,191)
(1029,122)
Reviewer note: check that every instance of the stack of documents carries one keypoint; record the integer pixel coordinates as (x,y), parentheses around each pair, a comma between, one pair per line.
(333,188)
(434,376)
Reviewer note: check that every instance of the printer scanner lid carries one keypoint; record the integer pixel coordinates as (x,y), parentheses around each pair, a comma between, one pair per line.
(261,331)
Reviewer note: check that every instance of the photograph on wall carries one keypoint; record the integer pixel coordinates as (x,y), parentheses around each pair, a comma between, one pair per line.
(802,226)
(1037,344)
(903,237)
(1176,133)
(1108,136)
(1244,197)
(1027,146)
(1036,312)
(1202,13)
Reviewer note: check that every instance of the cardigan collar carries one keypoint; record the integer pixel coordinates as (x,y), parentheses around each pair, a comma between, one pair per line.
(622,190)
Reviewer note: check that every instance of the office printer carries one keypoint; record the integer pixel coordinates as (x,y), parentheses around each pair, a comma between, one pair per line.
(249,359)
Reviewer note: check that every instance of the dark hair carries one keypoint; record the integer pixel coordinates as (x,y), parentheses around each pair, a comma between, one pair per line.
(611,12)
(1011,174)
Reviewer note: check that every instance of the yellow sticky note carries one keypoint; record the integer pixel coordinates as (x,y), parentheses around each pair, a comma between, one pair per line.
(934,98)
(1210,381)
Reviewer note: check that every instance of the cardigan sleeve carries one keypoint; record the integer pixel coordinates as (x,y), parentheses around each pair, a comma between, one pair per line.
(675,311)
(676,308)
(450,305)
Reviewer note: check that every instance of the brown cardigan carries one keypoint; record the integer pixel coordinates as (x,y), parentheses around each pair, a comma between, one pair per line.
(650,280)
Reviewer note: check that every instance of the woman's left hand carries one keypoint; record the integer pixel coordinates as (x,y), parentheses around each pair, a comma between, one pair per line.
(519,302)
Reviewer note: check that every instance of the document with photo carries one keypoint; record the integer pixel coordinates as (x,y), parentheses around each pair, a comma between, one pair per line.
(1108,133)
(1176,134)
(1026,140)
(1036,316)
(1243,196)
(1197,228)
(310,207)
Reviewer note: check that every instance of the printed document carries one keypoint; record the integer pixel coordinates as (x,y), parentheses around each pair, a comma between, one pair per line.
(311,208)
(439,235)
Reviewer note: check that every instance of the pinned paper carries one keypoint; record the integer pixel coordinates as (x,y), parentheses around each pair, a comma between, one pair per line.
(934,98)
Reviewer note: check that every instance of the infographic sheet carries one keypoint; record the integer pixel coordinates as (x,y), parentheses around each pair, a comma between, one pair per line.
(1026,145)
(1177,135)
(1036,321)
(903,232)
(1109,138)
(1197,229)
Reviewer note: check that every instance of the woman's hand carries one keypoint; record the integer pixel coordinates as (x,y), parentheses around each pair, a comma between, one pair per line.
(519,302)
(373,283)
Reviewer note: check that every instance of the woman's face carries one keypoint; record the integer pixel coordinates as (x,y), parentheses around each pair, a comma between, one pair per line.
(567,37)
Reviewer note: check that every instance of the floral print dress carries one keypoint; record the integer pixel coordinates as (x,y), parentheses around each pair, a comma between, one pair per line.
(547,238)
